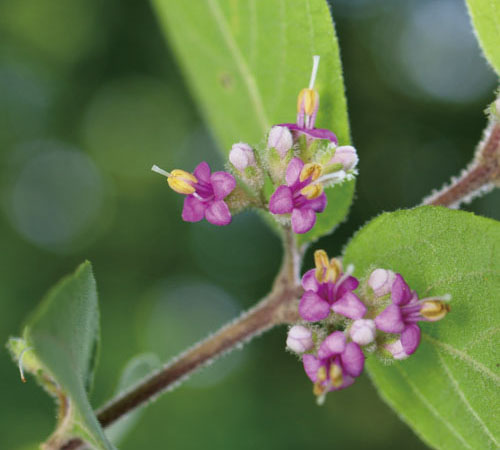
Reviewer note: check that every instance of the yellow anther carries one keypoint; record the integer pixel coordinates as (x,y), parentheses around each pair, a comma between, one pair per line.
(326,270)
(434,310)
(181,181)
(336,375)
(307,101)
(311,170)
(321,374)
(312,191)
(318,389)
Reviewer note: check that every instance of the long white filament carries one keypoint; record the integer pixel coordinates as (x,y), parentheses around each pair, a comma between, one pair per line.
(314,71)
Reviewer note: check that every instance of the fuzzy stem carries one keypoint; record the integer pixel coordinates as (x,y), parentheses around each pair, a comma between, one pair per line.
(480,177)
(278,307)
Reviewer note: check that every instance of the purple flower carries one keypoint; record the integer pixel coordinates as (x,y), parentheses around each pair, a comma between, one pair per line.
(402,315)
(336,365)
(207,201)
(300,197)
(327,289)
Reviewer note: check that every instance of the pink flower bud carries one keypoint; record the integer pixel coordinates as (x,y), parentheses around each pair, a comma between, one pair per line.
(396,350)
(345,155)
(363,331)
(281,139)
(299,339)
(381,281)
(241,156)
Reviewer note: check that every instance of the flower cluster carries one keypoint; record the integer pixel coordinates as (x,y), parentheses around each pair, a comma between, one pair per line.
(287,177)
(338,328)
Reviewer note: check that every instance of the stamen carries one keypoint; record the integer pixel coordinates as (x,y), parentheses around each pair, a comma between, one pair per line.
(434,310)
(311,170)
(336,375)
(314,71)
(312,191)
(157,169)
(20,363)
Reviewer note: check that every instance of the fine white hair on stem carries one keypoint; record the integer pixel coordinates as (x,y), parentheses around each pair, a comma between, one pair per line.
(157,169)
(314,71)
(20,363)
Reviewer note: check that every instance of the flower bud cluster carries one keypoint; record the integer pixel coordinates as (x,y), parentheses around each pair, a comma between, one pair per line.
(286,177)
(339,328)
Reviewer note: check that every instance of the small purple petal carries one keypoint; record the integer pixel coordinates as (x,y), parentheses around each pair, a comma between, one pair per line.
(400,291)
(281,201)
(317,133)
(334,344)
(223,184)
(318,204)
(293,171)
(353,359)
(193,210)
(410,338)
(202,172)
(312,307)
(311,366)
(348,285)
(309,281)
(390,320)
(350,306)
(218,213)
(348,380)
(303,220)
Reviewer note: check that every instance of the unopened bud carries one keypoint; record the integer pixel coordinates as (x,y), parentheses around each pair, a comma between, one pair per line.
(299,339)
(363,331)
(281,139)
(241,156)
(396,350)
(381,281)
(345,155)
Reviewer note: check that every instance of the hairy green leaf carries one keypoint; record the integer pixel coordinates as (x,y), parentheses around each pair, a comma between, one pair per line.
(448,390)
(246,62)
(60,342)
(486,20)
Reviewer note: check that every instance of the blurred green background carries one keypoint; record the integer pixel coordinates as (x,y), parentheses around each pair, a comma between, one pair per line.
(91,97)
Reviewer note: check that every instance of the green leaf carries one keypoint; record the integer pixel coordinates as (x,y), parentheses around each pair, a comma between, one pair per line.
(246,62)
(60,342)
(448,390)
(486,20)
(136,369)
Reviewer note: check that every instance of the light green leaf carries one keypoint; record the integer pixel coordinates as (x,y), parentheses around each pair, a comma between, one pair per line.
(486,20)
(448,390)
(61,341)
(246,62)
(135,370)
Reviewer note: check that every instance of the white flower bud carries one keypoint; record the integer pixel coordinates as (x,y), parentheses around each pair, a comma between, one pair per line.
(241,156)
(281,139)
(345,155)
(363,331)
(381,281)
(299,339)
